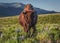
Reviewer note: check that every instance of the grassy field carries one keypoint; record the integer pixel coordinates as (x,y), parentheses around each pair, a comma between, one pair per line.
(48,29)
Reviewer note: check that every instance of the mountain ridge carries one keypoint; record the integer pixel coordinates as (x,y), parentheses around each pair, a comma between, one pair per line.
(11,9)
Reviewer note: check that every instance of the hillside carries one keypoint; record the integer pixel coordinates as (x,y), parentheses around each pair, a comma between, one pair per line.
(48,26)
(49,18)
(42,19)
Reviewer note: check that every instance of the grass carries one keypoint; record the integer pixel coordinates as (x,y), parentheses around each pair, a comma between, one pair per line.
(48,26)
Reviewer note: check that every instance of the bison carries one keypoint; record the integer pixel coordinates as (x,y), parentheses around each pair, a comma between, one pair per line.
(28,18)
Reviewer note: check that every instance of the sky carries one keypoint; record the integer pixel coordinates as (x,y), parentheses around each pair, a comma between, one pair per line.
(43,4)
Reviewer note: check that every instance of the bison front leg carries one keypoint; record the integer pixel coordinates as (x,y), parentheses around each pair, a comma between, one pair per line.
(27,29)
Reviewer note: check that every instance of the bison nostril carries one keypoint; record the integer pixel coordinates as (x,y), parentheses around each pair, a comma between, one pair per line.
(27,18)
(24,12)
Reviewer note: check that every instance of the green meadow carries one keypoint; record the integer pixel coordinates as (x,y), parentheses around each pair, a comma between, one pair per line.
(48,30)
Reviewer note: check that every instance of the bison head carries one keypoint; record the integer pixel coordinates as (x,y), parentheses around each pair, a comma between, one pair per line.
(28,8)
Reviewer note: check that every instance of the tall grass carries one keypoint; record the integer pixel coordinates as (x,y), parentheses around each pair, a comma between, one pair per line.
(48,30)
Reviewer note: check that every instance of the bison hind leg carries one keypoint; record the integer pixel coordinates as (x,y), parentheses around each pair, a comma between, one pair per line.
(34,31)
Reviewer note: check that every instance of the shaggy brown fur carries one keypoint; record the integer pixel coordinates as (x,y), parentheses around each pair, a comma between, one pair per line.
(28,18)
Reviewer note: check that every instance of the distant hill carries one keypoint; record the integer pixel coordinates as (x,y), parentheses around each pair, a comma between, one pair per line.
(11,9)
(42,11)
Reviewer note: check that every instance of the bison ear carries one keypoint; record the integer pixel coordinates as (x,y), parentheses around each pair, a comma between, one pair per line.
(24,12)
